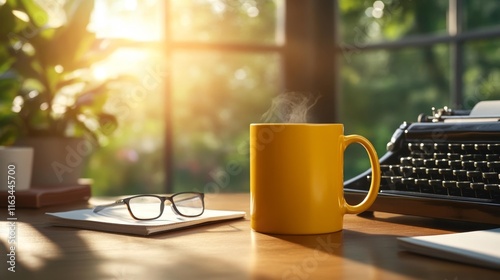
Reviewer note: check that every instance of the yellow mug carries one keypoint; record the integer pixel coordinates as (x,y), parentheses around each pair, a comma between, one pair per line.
(296,177)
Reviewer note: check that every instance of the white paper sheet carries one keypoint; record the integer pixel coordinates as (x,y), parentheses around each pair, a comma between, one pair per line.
(480,248)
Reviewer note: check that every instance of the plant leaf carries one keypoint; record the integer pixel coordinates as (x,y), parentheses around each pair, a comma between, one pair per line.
(38,16)
(27,66)
(6,60)
(72,40)
(89,97)
(8,22)
(108,123)
(9,129)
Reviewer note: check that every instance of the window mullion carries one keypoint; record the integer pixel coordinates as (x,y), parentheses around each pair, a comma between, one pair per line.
(455,28)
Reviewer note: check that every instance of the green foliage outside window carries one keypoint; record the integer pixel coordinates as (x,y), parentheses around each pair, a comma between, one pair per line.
(382,88)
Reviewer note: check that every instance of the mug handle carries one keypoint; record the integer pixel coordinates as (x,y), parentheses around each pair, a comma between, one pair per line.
(375,182)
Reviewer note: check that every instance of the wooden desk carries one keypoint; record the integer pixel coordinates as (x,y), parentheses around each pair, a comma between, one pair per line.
(365,249)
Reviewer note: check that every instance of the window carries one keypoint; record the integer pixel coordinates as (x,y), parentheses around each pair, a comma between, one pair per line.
(400,58)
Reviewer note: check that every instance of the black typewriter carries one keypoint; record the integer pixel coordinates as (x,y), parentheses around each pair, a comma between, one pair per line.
(446,165)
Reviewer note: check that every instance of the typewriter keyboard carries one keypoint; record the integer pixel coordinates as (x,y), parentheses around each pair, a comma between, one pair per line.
(457,170)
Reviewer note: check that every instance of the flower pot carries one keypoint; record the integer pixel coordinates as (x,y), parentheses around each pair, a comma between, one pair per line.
(58,161)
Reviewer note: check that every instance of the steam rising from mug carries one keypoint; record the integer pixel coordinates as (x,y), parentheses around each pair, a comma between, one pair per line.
(290,107)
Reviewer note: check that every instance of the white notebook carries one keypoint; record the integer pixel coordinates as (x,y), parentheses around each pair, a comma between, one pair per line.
(118,220)
(481,248)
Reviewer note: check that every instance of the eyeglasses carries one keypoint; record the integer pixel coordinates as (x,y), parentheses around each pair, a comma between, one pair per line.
(150,207)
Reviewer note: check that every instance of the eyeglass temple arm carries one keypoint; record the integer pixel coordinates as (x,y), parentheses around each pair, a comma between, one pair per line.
(101,207)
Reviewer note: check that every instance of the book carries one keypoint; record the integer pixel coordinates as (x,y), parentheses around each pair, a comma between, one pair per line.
(118,220)
(42,196)
(481,248)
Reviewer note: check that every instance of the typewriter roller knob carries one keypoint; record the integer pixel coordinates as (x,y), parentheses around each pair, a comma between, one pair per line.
(423,118)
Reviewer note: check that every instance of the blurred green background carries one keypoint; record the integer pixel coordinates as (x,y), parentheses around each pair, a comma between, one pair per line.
(215,92)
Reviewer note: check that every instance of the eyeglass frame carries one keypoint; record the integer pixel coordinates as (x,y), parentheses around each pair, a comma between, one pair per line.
(126,201)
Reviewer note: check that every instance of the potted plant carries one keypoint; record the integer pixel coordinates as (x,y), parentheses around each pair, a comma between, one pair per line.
(49,98)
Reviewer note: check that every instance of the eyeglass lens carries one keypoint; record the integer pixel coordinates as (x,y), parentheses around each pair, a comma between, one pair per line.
(188,204)
(145,207)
